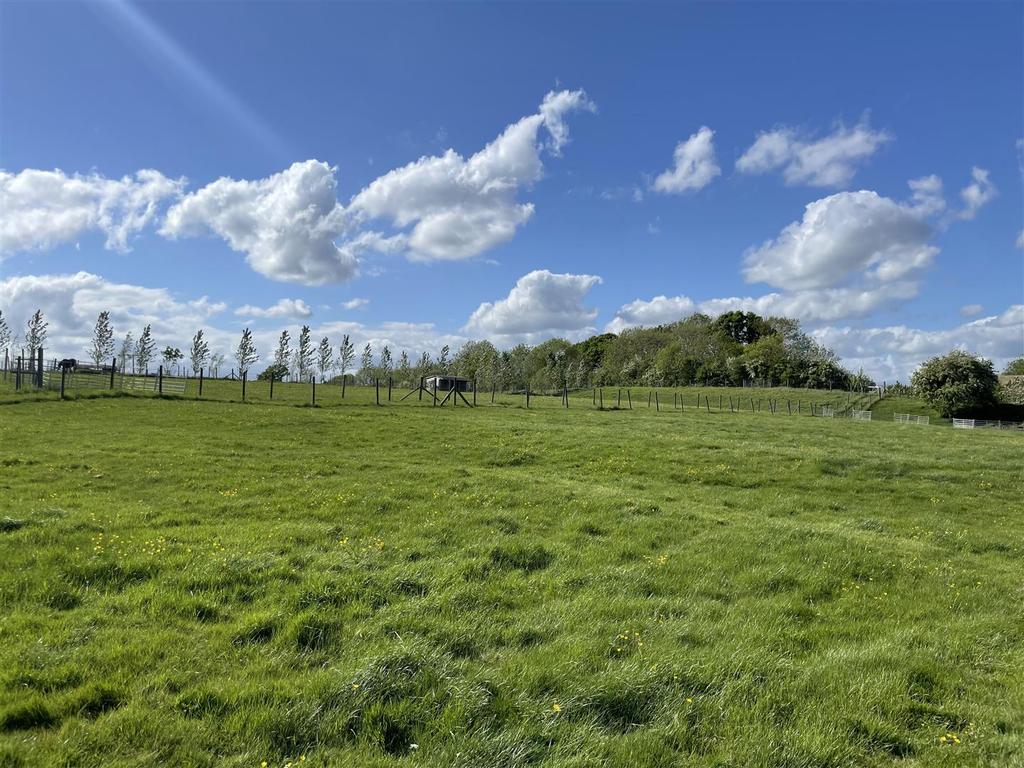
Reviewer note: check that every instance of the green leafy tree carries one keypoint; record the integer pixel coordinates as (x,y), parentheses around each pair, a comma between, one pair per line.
(324,357)
(957,383)
(199,352)
(102,346)
(127,352)
(304,354)
(404,369)
(861,382)
(273,371)
(366,364)
(477,360)
(674,367)
(145,349)
(443,360)
(245,352)
(385,361)
(1013,368)
(765,359)
(1012,391)
(283,354)
(171,356)
(346,354)
(35,333)
(742,327)
(5,333)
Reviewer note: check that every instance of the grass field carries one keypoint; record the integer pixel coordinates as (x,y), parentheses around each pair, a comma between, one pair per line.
(217,583)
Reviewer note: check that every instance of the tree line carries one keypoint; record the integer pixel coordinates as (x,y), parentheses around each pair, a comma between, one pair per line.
(733,349)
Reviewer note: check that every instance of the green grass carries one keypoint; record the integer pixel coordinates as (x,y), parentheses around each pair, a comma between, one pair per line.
(213,583)
(885,408)
(331,395)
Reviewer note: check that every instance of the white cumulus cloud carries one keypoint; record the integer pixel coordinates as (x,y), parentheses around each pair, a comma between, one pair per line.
(356,303)
(290,308)
(845,234)
(657,311)
(926,195)
(830,161)
(893,352)
(970,310)
(813,306)
(286,223)
(977,194)
(71,303)
(694,165)
(450,207)
(540,303)
(43,209)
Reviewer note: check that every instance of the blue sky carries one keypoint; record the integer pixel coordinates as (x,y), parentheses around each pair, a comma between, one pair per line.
(688,157)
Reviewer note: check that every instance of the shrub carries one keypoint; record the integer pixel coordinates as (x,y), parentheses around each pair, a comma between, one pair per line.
(956,383)
(1012,391)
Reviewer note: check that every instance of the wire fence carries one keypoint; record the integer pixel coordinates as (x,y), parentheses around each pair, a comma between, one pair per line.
(31,379)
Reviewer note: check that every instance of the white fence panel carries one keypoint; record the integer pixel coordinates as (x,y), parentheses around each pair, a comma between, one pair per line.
(907,418)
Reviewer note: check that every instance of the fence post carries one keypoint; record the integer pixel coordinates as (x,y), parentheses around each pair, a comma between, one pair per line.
(200,382)
(421,389)
(719,401)
(312,381)
(629,399)
(565,389)
(271,386)
(650,397)
(160,380)
(474,391)
(389,389)
(245,376)
(594,399)
(433,392)
(657,407)
(601,398)
(113,367)
(344,378)
(376,386)
(618,397)
(527,395)
(6,363)
(707,403)
(63,371)
(494,386)
(39,370)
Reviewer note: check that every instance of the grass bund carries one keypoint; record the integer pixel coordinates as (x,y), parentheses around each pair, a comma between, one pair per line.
(212,583)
